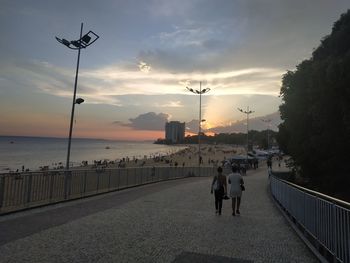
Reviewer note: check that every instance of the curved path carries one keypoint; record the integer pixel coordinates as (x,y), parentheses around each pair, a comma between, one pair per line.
(172,221)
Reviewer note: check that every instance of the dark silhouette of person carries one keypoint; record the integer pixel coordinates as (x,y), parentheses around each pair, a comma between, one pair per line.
(269,163)
(219,186)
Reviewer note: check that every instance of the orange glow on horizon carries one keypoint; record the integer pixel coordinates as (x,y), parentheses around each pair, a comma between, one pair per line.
(187,133)
(209,133)
(127,135)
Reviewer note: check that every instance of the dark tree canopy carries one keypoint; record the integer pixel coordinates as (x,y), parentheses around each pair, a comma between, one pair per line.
(256,138)
(316,114)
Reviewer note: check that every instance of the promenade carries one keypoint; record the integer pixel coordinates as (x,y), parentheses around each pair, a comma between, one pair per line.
(172,221)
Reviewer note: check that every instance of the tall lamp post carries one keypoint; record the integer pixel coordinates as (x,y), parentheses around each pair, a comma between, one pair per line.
(199,92)
(268,132)
(82,42)
(247,112)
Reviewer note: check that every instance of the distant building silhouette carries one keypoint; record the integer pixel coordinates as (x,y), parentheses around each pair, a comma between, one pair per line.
(175,131)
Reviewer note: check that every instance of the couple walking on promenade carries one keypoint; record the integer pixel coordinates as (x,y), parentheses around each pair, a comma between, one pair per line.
(219,187)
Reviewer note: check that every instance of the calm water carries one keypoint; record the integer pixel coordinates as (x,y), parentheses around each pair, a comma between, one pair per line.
(33,152)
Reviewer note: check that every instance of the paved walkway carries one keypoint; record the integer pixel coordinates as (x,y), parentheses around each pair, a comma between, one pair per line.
(172,221)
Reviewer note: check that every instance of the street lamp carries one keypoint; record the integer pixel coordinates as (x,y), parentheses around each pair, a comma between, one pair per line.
(82,42)
(199,92)
(247,112)
(268,133)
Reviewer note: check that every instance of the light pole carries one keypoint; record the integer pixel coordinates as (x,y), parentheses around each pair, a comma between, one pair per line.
(247,112)
(199,92)
(82,42)
(268,132)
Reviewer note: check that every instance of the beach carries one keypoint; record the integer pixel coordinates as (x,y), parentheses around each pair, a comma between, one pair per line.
(35,153)
(18,154)
(212,155)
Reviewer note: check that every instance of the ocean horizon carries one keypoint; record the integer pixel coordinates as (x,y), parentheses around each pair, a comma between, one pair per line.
(66,138)
(32,152)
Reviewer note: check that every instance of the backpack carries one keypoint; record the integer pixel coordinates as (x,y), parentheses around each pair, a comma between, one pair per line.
(217,185)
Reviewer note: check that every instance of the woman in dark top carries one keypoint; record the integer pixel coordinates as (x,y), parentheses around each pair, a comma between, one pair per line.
(220,189)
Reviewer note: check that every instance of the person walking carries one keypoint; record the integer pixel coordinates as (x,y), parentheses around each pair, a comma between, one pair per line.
(237,185)
(269,163)
(219,186)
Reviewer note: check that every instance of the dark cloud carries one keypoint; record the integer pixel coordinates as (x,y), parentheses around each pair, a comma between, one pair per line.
(214,44)
(244,34)
(166,59)
(254,124)
(150,121)
(192,126)
(118,123)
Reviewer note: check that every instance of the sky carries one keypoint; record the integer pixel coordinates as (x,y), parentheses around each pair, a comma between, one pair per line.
(134,77)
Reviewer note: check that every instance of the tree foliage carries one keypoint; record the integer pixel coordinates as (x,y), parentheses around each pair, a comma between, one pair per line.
(256,138)
(316,115)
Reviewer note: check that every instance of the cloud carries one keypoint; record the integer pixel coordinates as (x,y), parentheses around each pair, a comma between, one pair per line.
(105,85)
(240,34)
(117,81)
(192,126)
(118,123)
(170,104)
(165,8)
(185,83)
(256,123)
(144,67)
(188,36)
(149,121)
(134,91)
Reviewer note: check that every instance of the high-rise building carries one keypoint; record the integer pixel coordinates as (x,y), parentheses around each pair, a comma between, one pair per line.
(175,131)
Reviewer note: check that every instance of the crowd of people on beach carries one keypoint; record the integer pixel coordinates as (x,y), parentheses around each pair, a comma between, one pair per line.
(184,157)
(210,155)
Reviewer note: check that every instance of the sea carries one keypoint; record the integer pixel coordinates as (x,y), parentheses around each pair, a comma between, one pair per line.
(36,152)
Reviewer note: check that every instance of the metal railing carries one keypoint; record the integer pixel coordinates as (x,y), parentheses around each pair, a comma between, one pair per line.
(24,190)
(323,220)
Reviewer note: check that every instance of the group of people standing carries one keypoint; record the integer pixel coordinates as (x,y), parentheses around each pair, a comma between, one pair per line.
(219,188)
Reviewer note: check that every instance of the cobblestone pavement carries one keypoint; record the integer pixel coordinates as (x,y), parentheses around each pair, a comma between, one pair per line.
(172,221)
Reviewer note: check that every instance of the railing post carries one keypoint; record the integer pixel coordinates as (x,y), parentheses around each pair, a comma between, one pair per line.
(52,176)
(2,190)
(109,179)
(127,177)
(118,186)
(142,175)
(29,189)
(67,184)
(98,181)
(335,223)
(84,186)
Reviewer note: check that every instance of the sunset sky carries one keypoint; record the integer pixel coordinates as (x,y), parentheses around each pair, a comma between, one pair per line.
(134,78)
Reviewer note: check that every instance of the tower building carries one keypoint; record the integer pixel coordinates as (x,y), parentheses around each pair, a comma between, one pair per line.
(174,131)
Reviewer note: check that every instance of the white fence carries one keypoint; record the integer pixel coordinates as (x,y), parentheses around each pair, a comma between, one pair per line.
(24,190)
(324,221)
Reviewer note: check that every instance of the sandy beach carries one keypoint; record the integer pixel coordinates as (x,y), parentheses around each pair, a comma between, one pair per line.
(211,155)
(177,155)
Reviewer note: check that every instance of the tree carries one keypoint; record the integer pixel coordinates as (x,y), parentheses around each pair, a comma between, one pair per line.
(315,111)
